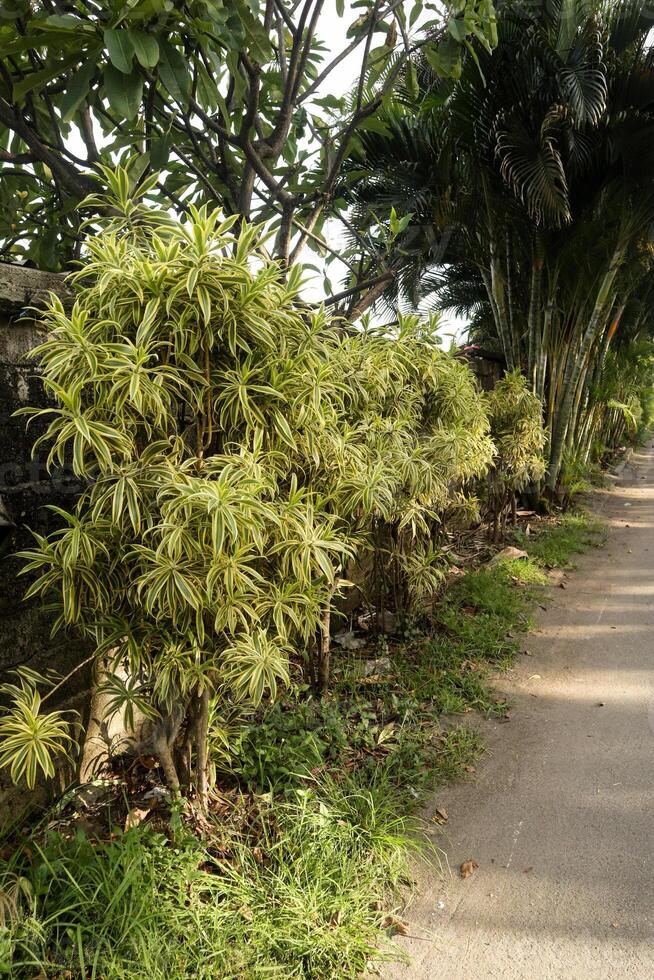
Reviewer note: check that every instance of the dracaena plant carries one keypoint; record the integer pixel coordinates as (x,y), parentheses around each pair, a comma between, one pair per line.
(416,432)
(516,418)
(238,451)
(186,386)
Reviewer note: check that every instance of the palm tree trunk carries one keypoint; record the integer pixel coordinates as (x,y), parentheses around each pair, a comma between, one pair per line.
(575,367)
(535,339)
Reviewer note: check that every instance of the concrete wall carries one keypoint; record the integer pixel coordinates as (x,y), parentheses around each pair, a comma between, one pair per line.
(488,368)
(25,488)
(25,485)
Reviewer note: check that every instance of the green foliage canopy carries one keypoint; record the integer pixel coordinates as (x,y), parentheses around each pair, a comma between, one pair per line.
(238,450)
(236,102)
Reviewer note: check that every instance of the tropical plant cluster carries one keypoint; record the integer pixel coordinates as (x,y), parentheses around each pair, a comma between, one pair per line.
(252,462)
(493,162)
(241,453)
(529,184)
(299,872)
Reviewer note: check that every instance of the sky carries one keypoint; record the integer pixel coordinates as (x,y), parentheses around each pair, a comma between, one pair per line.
(332,32)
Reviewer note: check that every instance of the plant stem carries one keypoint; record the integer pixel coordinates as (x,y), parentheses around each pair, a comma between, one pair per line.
(201,732)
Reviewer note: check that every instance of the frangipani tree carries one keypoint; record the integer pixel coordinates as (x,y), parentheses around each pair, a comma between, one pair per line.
(247,106)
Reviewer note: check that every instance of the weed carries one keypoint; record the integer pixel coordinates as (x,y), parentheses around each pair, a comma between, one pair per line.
(525,571)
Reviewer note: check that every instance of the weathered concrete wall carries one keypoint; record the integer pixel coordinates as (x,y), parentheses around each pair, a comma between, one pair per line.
(488,368)
(25,485)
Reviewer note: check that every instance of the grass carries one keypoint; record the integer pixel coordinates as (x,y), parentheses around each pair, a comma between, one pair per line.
(299,904)
(297,877)
(555,545)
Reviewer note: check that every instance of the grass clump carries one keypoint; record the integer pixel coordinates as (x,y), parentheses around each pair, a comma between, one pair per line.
(301,903)
(298,877)
(554,546)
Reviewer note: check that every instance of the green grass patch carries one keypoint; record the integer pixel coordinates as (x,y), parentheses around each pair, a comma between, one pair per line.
(554,546)
(525,571)
(388,742)
(301,903)
(298,880)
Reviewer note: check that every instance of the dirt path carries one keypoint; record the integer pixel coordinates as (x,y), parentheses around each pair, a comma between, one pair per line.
(560,816)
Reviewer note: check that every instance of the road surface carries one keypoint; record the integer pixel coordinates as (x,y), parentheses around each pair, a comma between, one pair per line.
(560,815)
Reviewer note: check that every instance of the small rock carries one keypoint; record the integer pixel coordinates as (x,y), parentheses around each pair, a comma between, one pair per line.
(507,554)
(135,816)
(370,668)
(387,621)
(349,641)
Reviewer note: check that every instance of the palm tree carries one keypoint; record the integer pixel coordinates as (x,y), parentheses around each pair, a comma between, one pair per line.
(530,185)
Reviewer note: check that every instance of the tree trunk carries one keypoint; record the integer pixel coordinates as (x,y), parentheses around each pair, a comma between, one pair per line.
(324,671)
(534,320)
(202,765)
(165,756)
(96,748)
(574,369)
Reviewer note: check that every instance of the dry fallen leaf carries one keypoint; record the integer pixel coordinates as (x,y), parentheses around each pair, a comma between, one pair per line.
(468,868)
(399,926)
(135,816)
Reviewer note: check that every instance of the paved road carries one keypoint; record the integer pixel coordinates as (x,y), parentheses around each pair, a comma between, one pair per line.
(560,816)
